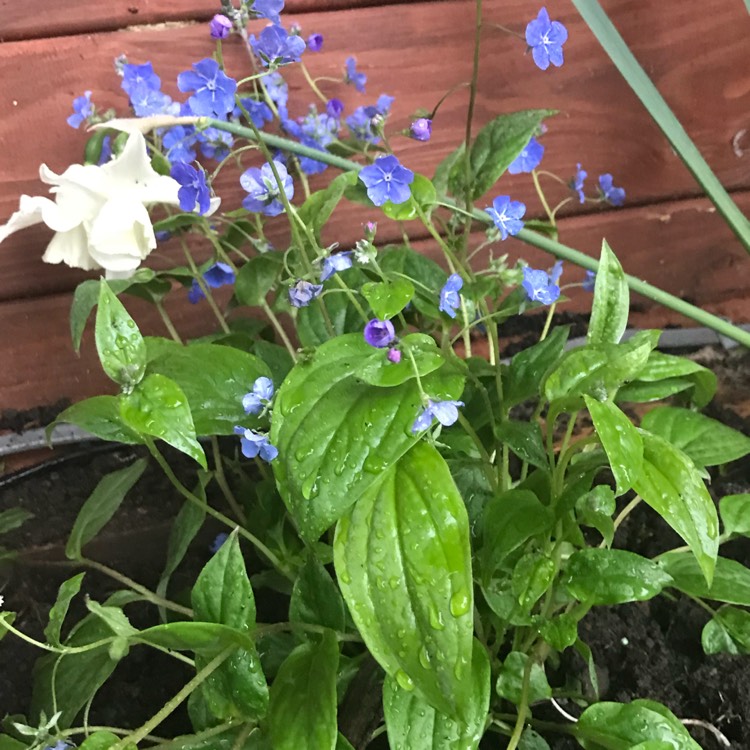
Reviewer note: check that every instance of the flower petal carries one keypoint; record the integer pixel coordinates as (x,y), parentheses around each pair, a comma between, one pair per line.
(29,212)
(71,248)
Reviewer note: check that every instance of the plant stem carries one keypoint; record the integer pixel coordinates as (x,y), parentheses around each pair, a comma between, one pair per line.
(221,480)
(205,289)
(279,329)
(167,321)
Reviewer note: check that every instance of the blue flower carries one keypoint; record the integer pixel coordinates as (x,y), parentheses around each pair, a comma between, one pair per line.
(194,193)
(276,88)
(82,110)
(275,46)
(364,122)
(147,101)
(269,9)
(379,333)
(446,412)
(220,27)
(134,76)
(260,113)
(541,286)
(106,153)
(352,76)
(214,90)
(264,194)
(590,281)
(507,215)
(576,183)
(335,108)
(546,39)
(214,143)
(262,393)
(315,42)
(303,293)
(611,194)
(528,159)
(218,542)
(335,263)
(386,180)
(421,129)
(450,299)
(217,275)
(178,143)
(256,444)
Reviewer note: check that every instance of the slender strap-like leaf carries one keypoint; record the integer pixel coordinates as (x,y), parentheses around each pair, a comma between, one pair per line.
(633,73)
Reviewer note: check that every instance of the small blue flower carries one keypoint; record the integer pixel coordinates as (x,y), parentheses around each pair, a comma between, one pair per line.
(262,393)
(179,143)
(541,286)
(194,193)
(218,542)
(147,101)
(507,215)
(217,275)
(446,412)
(275,46)
(335,108)
(450,299)
(220,27)
(260,113)
(576,183)
(214,143)
(590,281)
(315,42)
(303,293)
(610,193)
(386,180)
(351,75)
(214,90)
(546,39)
(269,9)
(264,194)
(529,159)
(134,76)
(276,88)
(335,263)
(82,110)
(421,129)
(256,444)
(379,333)
(364,123)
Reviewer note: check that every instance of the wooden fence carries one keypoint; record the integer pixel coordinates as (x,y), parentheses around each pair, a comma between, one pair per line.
(667,233)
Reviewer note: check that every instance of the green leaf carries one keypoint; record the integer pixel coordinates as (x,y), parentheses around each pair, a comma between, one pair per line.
(560,631)
(403,562)
(99,415)
(595,509)
(213,378)
(13,518)
(609,310)
(388,298)
(736,624)
(114,617)
(302,710)
(414,724)
(735,514)
(101,740)
(638,80)
(532,576)
(509,520)
(377,369)
(525,440)
(444,169)
(613,576)
(257,277)
(716,639)
(509,683)
(158,407)
(316,600)
(9,743)
(428,277)
(275,357)
(423,196)
(119,343)
(731,582)
(102,505)
(707,441)
(621,726)
(621,442)
(495,148)
(530,740)
(223,594)
(195,636)
(317,209)
(523,377)
(336,435)
(312,328)
(68,589)
(672,486)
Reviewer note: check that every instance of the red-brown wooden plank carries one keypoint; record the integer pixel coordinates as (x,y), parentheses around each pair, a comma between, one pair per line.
(415,52)
(39,367)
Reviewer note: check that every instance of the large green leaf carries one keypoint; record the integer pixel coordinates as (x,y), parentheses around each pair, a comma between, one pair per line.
(735,514)
(622,726)
(509,684)
(731,582)
(403,561)
(223,594)
(613,576)
(336,434)
(495,148)
(707,441)
(388,298)
(609,310)
(317,209)
(414,724)
(312,327)
(302,710)
(316,600)
(195,636)
(102,505)
(99,415)
(213,378)
(257,277)
(672,486)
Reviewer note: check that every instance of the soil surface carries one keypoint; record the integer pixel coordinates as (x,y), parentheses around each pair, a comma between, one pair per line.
(642,650)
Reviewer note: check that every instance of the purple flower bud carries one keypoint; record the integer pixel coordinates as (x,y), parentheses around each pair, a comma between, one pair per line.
(220,26)
(315,42)
(335,108)
(379,333)
(370,228)
(394,355)
(421,129)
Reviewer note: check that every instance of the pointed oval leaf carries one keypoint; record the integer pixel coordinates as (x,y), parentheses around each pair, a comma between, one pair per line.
(731,582)
(735,513)
(388,298)
(68,589)
(609,310)
(403,561)
(509,683)
(99,415)
(316,600)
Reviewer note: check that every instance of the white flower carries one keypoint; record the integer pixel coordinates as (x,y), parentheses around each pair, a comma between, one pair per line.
(99,213)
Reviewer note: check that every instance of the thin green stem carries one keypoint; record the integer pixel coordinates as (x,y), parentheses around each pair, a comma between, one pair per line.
(221,480)
(548,321)
(279,329)
(205,288)
(487,461)
(542,197)
(167,321)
